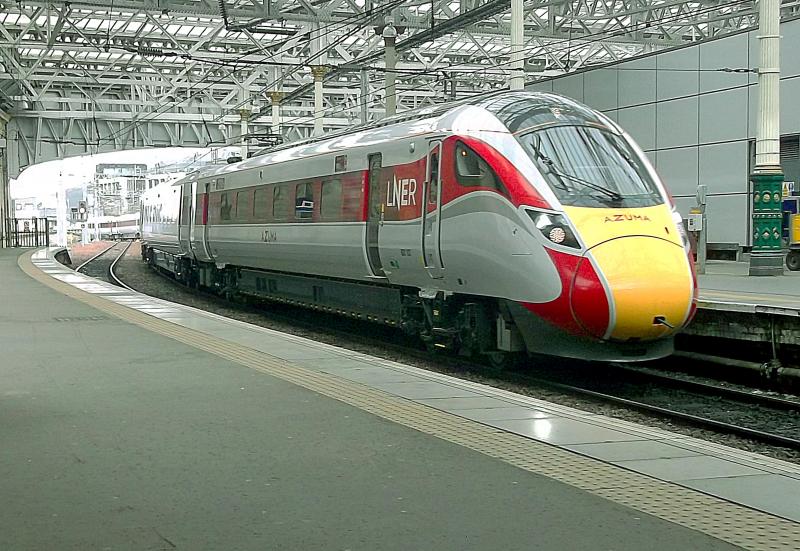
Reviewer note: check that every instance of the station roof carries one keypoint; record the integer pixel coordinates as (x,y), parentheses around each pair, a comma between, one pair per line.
(210,60)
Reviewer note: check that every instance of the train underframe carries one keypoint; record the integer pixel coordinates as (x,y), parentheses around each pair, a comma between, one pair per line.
(463,324)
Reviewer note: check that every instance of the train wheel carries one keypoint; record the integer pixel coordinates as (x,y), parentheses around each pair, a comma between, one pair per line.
(502,360)
(793,260)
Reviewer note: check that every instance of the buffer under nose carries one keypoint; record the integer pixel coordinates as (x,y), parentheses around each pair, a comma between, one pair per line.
(650,285)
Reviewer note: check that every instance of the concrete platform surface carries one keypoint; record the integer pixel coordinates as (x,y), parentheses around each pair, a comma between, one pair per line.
(131,423)
(727,285)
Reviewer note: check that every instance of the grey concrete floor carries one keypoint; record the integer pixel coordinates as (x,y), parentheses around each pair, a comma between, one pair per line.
(112,437)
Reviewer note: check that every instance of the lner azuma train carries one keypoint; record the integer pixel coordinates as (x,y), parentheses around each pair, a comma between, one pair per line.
(505,223)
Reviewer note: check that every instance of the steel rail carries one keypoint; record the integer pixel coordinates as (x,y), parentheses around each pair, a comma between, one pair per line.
(716,390)
(112,275)
(703,422)
(95,257)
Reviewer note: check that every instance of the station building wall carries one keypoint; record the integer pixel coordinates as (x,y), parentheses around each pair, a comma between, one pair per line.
(696,123)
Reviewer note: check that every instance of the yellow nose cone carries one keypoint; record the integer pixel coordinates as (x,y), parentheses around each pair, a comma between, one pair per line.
(650,280)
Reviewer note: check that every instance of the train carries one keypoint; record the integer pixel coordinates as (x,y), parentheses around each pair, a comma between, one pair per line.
(125,226)
(497,226)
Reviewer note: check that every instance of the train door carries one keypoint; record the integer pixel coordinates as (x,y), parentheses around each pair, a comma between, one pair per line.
(206,200)
(374,215)
(198,230)
(432,212)
(185,217)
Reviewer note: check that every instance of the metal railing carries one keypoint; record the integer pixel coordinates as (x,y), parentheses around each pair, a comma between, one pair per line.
(27,232)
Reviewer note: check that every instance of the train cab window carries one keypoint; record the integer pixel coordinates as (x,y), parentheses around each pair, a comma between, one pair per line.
(304,201)
(225,207)
(433,187)
(330,206)
(261,204)
(472,170)
(280,202)
(243,208)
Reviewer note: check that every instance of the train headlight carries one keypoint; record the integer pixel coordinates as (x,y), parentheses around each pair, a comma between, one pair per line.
(678,219)
(555,228)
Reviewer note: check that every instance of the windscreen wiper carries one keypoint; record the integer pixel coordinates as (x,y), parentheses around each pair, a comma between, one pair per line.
(548,162)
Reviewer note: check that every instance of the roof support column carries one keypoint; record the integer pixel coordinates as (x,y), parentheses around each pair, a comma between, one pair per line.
(389,39)
(517,80)
(276,98)
(245,118)
(767,177)
(319,72)
(5,211)
(364,97)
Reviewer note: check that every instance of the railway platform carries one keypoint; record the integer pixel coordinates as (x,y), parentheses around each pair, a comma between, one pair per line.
(738,308)
(127,422)
(726,286)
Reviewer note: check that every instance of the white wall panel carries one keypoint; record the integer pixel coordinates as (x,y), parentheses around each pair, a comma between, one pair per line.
(637,82)
(640,122)
(600,88)
(677,122)
(790,105)
(723,167)
(728,217)
(675,75)
(678,169)
(571,86)
(731,52)
(790,48)
(723,116)
(541,86)
(752,109)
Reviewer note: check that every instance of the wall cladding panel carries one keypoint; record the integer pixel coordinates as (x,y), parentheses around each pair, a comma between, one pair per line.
(600,88)
(677,122)
(727,217)
(542,86)
(678,170)
(730,52)
(723,167)
(637,82)
(790,107)
(716,121)
(571,86)
(675,75)
(640,122)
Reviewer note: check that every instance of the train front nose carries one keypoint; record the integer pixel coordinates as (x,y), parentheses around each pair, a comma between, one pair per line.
(650,284)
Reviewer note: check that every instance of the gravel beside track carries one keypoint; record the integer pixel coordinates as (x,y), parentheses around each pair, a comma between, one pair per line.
(139,276)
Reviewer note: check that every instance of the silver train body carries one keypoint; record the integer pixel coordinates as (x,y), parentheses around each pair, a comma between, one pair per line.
(509,223)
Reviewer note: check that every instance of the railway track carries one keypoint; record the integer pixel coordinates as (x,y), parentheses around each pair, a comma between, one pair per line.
(764,418)
(101,266)
(749,414)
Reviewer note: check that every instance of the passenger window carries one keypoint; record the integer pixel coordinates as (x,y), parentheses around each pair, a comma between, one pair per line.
(330,206)
(304,201)
(280,202)
(224,207)
(243,205)
(261,205)
(433,186)
(472,170)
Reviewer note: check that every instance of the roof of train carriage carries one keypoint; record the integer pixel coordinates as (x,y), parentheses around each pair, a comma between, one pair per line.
(517,110)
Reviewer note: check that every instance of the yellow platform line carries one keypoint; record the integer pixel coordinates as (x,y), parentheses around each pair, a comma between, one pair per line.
(731,522)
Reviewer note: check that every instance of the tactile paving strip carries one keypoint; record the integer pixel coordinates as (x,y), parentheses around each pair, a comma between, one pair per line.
(716,517)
